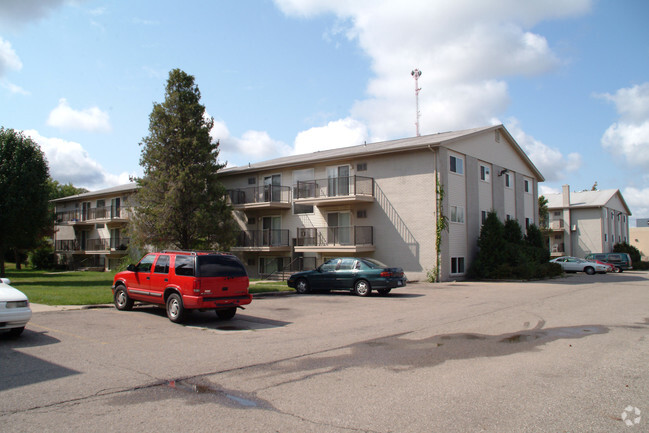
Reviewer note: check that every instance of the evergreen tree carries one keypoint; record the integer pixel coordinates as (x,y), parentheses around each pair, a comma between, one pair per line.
(24,193)
(181,203)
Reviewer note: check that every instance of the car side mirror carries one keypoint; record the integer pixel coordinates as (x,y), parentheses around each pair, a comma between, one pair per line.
(131,268)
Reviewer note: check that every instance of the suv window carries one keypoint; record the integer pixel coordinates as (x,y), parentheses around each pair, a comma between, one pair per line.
(615,257)
(219,266)
(184,266)
(146,263)
(162,265)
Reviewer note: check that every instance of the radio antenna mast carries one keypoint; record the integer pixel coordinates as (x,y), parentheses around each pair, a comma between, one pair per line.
(416,74)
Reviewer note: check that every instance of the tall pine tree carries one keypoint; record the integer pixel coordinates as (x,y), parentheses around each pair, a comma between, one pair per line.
(181,203)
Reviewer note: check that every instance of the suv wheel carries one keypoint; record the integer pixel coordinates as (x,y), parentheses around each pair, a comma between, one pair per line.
(175,308)
(122,300)
(227,313)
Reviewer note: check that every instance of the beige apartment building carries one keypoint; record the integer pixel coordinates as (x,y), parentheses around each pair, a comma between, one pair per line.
(587,222)
(89,227)
(379,200)
(639,236)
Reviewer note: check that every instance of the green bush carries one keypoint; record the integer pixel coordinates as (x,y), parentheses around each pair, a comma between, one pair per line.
(42,257)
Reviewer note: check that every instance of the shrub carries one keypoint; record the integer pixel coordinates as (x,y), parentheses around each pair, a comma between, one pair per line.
(42,257)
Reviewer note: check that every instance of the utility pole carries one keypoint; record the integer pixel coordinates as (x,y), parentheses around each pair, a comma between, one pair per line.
(416,74)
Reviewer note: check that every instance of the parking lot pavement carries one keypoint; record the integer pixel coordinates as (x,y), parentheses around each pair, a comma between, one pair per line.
(565,355)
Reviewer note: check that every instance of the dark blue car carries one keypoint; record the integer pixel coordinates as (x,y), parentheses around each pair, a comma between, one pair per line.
(361,275)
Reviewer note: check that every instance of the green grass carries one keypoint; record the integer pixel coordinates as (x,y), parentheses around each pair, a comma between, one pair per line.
(83,288)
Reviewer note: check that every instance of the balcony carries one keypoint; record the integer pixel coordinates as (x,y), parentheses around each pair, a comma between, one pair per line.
(261,197)
(334,191)
(263,241)
(104,246)
(105,214)
(355,239)
(556,225)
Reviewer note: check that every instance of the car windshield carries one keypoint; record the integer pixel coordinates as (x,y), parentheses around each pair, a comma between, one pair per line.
(220,266)
(373,263)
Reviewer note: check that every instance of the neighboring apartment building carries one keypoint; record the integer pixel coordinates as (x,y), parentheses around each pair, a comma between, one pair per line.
(89,227)
(379,200)
(587,221)
(639,236)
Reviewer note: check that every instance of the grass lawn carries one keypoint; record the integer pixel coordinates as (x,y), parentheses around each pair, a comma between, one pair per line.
(83,288)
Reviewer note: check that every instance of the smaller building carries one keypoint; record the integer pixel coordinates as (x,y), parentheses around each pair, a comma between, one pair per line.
(639,236)
(89,230)
(587,222)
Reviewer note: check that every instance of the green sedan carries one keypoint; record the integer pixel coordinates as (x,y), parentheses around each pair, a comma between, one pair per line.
(360,275)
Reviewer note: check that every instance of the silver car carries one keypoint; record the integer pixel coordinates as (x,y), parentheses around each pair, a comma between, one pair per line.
(14,309)
(575,264)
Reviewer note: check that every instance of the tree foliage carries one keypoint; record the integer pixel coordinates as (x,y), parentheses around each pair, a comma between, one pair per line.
(181,203)
(505,253)
(24,193)
(624,247)
(59,190)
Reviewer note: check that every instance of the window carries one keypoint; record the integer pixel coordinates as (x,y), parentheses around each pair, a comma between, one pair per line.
(184,266)
(457,214)
(485,173)
(251,221)
(527,223)
(361,214)
(215,265)
(483,215)
(457,165)
(361,166)
(302,208)
(605,237)
(508,217)
(557,213)
(252,181)
(162,265)
(146,263)
(457,265)
(527,185)
(508,182)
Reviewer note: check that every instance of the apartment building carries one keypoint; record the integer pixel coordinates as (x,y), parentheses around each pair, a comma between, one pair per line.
(380,200)
(587,222)
(89,231)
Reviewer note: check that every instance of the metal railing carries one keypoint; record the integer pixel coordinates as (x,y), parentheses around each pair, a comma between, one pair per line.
(70,245)
(260,194)
(328,236)
(334,187)
(263,238)
(297,264)
(93,214)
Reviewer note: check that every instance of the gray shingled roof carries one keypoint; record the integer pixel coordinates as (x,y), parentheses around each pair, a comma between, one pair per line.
(584,199)
(443,138)
(115,189)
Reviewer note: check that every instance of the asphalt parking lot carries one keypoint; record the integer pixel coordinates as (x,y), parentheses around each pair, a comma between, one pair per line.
(565,355)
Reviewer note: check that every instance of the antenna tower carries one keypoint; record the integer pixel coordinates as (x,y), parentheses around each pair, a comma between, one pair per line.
(416,74)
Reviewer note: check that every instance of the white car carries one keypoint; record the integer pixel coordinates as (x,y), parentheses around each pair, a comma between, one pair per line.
(14,309)
(575,264)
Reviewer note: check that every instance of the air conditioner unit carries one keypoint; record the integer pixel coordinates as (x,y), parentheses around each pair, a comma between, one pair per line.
(573,228)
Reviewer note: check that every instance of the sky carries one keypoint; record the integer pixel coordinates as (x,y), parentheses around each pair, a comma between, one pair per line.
(569,79)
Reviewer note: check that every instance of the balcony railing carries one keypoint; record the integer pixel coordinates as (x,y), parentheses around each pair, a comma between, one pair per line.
(334,236)
(260,195)
(118,244)
(263,238)
(556,225)
(334,187)
(93,214)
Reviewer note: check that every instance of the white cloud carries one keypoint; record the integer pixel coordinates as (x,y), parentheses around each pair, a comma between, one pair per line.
(69,162)
(638,201)
(629,137)
(8,58)
(91,119)
(553,164)
(341,133)
(465,49)
(15,13)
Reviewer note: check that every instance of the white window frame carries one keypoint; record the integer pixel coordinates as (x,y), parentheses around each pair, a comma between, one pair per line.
(485,173)
(457,214)
(459,162)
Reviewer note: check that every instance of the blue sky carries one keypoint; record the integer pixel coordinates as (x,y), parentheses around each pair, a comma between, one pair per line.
(569,79)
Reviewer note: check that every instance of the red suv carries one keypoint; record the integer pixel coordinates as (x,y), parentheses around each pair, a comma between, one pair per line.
(182,281)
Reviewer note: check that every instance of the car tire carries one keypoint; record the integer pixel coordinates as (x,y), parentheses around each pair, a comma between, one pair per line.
(175,308)
(589,270)
(362,288)
(384,292)
(226,314)
(122,301)
(302,286)
(15,332)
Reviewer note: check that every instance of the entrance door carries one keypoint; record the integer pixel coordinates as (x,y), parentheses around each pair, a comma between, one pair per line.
(338,180)
(115,205)
(339,231)
(272,188)
(271,231)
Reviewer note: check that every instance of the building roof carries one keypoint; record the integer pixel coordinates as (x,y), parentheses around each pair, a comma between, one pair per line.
(586,199)
(129,187)
(412,143)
